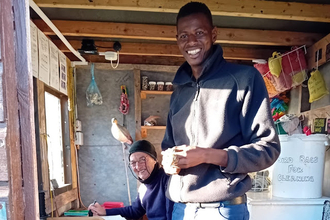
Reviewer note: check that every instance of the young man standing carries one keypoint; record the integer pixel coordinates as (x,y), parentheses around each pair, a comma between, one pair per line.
(219,125)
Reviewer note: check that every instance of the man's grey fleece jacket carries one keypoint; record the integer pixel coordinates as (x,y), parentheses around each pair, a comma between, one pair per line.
(226,108)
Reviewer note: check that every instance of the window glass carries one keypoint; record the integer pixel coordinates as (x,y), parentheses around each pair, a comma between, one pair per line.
(54,138)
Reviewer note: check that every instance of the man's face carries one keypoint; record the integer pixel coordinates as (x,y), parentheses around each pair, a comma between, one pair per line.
(142,164)
(195,37)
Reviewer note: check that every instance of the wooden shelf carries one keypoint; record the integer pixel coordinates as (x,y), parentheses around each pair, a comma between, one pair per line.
(144,129)
(144,93)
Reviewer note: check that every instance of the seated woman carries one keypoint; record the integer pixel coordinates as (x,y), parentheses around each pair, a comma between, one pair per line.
(151,199)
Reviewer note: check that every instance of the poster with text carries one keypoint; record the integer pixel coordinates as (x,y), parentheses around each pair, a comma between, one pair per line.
(54,80)
(34,49)
(43,57)
(63,74)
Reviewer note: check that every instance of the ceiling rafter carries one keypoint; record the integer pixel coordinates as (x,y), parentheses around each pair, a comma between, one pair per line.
(238,8)
(171,50)
(168,33)
(147,60)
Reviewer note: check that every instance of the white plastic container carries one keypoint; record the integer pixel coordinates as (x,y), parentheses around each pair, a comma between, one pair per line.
(298,172)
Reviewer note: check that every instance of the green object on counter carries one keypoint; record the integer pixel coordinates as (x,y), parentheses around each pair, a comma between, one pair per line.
(279,128)
(76,213)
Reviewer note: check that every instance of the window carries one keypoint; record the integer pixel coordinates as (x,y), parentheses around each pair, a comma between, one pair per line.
(57,138)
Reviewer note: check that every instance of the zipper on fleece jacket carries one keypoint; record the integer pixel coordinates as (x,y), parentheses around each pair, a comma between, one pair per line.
(194,122)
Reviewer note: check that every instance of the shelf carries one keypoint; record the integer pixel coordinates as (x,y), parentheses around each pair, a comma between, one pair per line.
(144,129)
(144,93)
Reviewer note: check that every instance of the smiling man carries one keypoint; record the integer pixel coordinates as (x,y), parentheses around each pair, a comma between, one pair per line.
(151,198)
(219,126)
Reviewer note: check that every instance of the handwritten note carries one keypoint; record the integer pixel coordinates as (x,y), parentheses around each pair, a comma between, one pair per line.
(295,171)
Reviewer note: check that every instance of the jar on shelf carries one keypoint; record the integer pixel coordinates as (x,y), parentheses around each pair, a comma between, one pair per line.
(168,86)
(144,83)
(152,85)
(160,86)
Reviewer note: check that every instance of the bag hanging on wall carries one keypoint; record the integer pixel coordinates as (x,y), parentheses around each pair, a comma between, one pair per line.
(93,94)
(316,86)
(275,64)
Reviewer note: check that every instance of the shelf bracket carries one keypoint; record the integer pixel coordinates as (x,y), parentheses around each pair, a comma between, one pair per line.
(143,95)
(144,132)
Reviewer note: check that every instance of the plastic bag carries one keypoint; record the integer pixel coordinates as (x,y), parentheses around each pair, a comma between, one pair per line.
(316,86)
(275,64)
(93,94)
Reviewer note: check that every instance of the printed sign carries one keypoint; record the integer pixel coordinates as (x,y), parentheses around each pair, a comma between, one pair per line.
(43,57)
(54,66)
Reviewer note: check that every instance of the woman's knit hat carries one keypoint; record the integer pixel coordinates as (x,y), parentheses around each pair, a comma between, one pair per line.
(143,146)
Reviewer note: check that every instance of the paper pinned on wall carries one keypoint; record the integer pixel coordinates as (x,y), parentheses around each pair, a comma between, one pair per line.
(34,49)
(63,74)
(43,57)
(54,80)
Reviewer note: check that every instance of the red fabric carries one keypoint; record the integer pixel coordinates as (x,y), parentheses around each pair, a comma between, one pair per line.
(111,205)
(294,61)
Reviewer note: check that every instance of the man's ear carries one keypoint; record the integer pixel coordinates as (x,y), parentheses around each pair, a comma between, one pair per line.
(214,34)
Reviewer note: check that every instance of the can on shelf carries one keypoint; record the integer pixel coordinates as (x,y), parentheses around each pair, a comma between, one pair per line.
(152,85)
(168,86)
(160,86)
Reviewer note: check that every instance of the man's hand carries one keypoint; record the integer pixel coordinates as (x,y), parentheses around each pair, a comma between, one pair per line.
(183,157)
(170,161)
(97,209)
(189,156)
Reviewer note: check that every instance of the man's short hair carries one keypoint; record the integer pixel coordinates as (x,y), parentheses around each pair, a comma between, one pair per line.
(194,8)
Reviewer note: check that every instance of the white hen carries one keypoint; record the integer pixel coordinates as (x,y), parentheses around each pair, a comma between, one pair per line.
(120,132)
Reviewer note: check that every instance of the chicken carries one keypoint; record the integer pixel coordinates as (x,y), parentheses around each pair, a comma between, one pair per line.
(120,132)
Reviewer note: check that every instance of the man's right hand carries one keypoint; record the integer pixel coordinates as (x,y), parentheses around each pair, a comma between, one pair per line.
(97,209)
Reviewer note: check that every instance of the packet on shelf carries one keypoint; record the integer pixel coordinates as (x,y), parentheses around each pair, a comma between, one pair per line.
(144,83)
(151,120)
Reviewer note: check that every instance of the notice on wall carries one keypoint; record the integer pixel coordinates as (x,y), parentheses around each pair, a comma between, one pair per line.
(34,49)
(320,125)
(43,57)
(54,80)
(63,74)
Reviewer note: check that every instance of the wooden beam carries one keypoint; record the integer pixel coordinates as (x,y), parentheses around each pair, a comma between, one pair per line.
(172,50)
(62,199)
(127,59)
(168,33)
(26,107)
(147,60)
(43,138)
(238,8)
(137,99)
(16,202)
(319,53)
